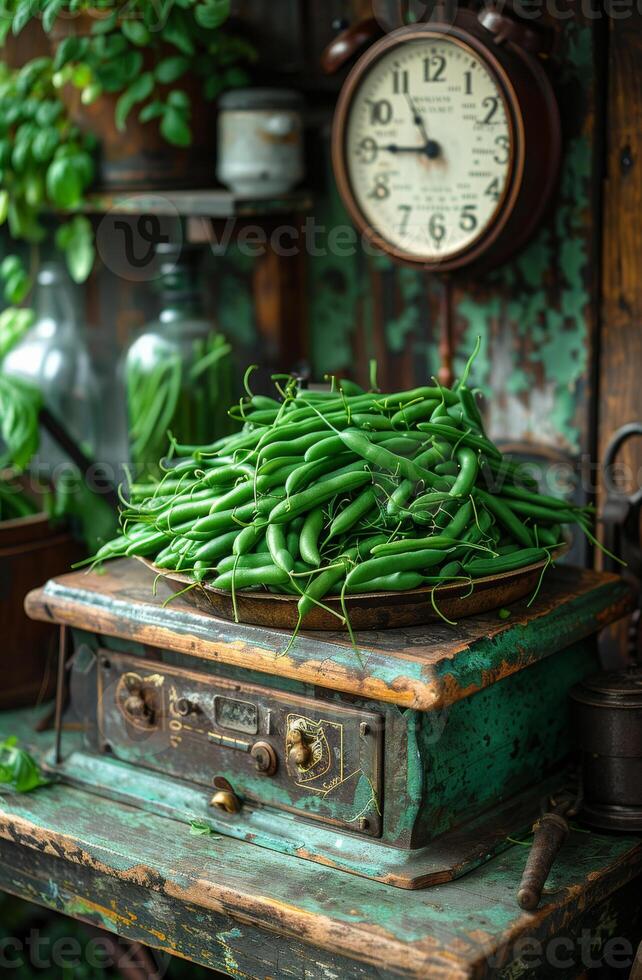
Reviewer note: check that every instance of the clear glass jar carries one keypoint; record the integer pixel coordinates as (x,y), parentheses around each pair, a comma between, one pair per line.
(178,371)
(53,356)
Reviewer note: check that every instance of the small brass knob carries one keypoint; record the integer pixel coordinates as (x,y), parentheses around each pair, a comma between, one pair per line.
(137,707)
(185,707)
(264,758)
(225,800)
(300,752)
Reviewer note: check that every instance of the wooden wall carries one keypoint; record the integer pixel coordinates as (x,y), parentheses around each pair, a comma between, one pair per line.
(559,322)
(538,315)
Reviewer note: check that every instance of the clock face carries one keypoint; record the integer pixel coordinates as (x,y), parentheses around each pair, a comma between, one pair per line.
(429,148)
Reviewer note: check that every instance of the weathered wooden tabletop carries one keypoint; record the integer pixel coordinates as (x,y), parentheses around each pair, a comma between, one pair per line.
(423,667)
(252,912)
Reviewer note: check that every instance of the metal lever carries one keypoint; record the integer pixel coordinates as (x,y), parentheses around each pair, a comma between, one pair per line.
(551,830)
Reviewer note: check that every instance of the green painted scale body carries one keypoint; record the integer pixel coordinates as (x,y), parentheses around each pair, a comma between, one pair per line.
(410,762)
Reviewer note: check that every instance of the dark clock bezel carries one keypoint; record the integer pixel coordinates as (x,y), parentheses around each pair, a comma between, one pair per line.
(523,200)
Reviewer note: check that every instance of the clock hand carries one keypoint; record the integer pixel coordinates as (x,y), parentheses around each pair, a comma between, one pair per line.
(430,147)
(393,148)
(417,118)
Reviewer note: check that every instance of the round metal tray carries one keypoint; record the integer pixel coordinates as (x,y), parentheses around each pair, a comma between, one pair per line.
(372,611)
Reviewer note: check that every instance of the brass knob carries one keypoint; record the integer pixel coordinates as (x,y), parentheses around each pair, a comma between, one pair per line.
(226,800)
(185,707)
(137,707)
(299,750)
(264,758)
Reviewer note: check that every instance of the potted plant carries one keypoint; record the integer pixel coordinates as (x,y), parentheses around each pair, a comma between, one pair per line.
(142,76)
(46,165)
(31,548)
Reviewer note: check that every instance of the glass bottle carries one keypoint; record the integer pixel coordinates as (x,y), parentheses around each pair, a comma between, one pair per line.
(53,356)
(178,371)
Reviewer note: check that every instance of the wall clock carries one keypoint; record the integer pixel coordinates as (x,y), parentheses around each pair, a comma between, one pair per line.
(446,140)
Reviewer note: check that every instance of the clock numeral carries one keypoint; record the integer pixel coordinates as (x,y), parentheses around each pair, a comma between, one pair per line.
(493,189)
(406,212)
(468,84)
(502,143)
(367,150)
(468,218)
(400,81)
(380,112)
(437,228)
(434,68)
(491,102)
(380,191)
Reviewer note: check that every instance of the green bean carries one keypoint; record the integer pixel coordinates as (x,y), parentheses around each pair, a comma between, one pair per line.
(217,547)
(552,515)
(230,562)
(306,473)
(383,458)
(301,502)
(506,518)
(323,583)
(469,467)
(410,562)
(505,563)
(414,413)
(248,538)
(405,545)
(394,582)
(251,578)
(353,513)
(309,540)
(277,545)
(455,435)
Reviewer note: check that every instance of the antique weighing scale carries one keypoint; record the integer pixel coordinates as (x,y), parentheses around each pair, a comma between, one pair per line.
(416,756)
(410,762)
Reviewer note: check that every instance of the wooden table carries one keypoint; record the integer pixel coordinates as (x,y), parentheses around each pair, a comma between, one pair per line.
(253,912)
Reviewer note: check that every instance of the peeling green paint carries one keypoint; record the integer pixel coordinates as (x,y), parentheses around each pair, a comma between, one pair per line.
(533,314)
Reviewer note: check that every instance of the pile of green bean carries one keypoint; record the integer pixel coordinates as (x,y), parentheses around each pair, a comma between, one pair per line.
(344,491)
(186,389)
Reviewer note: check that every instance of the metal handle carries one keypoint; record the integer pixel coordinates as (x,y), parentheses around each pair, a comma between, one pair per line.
(550,832)
(349,43)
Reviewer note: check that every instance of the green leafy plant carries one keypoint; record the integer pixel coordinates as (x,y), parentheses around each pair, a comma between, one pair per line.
(19,771)
(46,165)
(142,52)
(19,429)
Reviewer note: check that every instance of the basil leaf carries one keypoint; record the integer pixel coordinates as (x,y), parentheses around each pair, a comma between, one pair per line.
(76,240)
(18,769)
(170,69)
(50,14)
(174,127)
(135,32)
(138,91)
(212,13)
(25,10)
(64,183)
(151,111)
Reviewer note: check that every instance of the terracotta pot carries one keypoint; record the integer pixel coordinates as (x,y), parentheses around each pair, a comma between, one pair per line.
(30,553)
(140,158)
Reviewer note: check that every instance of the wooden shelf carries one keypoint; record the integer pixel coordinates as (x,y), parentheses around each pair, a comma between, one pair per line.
(196,204)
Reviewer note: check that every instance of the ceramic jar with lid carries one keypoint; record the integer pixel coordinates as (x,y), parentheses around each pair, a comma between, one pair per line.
(260,141)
